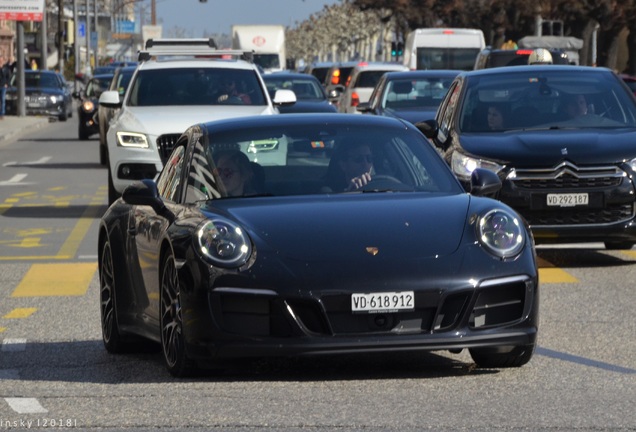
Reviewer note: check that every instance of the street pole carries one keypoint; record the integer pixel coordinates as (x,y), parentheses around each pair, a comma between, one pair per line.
(88,38)
(21,109)
(44,52)
(76,44)
(60,35)
(96,32)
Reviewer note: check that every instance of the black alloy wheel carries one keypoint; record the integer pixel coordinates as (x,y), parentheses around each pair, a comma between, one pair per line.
(171,322)
(110,329)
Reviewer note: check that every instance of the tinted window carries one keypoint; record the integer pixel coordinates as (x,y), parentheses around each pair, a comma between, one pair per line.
(446,58)
(193,86)
(306,159)
(543,99)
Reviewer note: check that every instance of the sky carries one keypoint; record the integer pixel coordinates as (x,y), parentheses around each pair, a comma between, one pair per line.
(217,16)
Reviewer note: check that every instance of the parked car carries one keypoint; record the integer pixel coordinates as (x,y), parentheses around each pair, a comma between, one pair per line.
(489,57)
(413,96)
(45,93)
(310,94)
(361,82)
(119,83)
(565,151)
(88,123)
(178,83)
(290,266)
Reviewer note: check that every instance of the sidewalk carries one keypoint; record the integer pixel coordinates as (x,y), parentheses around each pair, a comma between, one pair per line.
(12,126)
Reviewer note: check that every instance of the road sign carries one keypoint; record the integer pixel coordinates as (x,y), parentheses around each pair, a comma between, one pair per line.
(81,30)
(23,10)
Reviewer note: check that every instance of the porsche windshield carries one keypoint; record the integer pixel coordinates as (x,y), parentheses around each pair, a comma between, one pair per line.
(318,158)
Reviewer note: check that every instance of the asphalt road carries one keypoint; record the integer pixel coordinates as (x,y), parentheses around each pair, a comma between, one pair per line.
(54,371)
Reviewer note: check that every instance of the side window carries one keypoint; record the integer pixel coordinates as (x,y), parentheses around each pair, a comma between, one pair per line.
(170,177)
(445,116)
(201,181)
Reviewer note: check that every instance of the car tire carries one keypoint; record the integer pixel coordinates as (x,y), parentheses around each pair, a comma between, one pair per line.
(618,245)
(171,321)
(63,115)
(82,133)
(111,336)
(491,358)
(103,154)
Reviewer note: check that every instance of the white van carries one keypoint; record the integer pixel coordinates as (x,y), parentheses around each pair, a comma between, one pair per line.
(443,48)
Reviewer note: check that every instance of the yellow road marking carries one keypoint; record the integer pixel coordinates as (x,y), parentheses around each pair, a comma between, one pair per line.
(550,274)
(48,280)
(555,275)
(630,253)
(2,329)
(20,313)
(82,226)
(37,257)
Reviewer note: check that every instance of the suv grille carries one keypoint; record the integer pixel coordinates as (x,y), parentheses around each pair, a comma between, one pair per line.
(165,145)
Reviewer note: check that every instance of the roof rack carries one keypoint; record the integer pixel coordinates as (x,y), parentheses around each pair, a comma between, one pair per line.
(190,47)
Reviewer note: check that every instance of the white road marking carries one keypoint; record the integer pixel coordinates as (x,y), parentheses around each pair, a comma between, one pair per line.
(25,405)
(87,257)
(12,345)
(40,161)
(15,180)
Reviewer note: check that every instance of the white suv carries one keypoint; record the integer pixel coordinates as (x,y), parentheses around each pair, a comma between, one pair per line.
(361,83)
(178,83)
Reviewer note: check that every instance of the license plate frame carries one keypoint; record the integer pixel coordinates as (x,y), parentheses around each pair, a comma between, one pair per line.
(567,199)
(383,302)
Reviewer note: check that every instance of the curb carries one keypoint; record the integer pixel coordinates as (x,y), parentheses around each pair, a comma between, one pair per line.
(12,126)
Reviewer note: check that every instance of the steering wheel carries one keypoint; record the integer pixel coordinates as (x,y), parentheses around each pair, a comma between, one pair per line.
(384,182)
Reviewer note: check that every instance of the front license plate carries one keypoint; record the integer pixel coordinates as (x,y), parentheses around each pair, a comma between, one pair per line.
(383,302)
(568,200)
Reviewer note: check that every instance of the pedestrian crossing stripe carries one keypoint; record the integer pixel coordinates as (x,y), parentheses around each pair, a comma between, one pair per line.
(49,280)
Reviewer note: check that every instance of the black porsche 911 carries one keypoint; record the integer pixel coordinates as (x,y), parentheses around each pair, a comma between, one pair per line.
(315,234)
(560,137)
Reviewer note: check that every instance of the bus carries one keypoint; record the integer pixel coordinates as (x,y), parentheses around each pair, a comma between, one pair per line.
(443,48)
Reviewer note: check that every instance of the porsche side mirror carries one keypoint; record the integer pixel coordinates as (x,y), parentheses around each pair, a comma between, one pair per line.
(484,182)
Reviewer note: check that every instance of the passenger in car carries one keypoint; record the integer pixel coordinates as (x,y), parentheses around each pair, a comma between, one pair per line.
(496,117)
(230,93)
(576,106)
(350,168)
(235,171)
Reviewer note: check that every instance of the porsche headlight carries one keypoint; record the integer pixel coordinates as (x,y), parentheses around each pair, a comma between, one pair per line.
(88,106)
(501,233)
(132,139)
(223,243)
(463,166)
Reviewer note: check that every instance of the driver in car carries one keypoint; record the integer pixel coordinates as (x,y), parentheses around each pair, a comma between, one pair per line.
(231,94)
(350,168)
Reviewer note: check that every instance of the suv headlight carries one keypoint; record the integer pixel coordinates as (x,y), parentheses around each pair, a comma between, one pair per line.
(501,233)
(132,139)
(223,243)
(463,166)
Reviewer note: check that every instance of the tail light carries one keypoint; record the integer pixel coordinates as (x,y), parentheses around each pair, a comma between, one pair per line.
(355,99)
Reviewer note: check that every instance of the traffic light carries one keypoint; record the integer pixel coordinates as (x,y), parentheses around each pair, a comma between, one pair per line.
(400,48)
(393,49)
